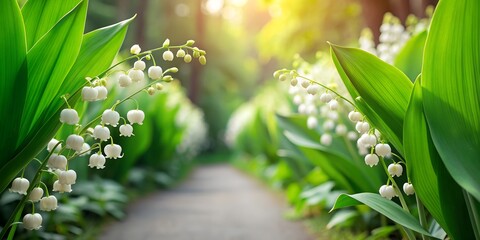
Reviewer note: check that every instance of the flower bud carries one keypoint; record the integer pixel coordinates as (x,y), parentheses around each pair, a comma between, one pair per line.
(139,65)
(135,49)
(190,42)
(187,58)
(159,86)
(313,89)
(151,91)
(166,43)
(180,53)
(202,59)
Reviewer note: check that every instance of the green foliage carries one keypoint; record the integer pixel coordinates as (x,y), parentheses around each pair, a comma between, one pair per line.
(410,57)
(59,51)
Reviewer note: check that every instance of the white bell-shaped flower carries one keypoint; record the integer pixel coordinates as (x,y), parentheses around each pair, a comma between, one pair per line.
(67,177)
(102,92)
(387,191)
(32,221)
(408,188)
(126,130)
(333,104)
(113,151)
(395,169)
(124,80)
(368,140)
(136,75)
(383,149)
(135,49)
(313,89)
(48,203)
(75,142)
(351,135)
(168,55)
(341,130)
(36,194)
(354,116)
(362,127)
(69,116)
(97,160)
(136,116)
(85,150)
(52,144)
(61,188)
(139,65)
(102,133)
(89,94)
(371,160)
(20,185)
(155,72)
(56,161)
(328,125)
(326,97)
(110,117)
(326,139)
(312,122)
(305,83)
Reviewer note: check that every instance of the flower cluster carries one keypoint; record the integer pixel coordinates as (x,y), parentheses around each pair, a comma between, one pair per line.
(324,104)
(98,130)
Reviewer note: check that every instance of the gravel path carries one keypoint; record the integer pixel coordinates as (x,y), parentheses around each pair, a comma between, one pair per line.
(216,203)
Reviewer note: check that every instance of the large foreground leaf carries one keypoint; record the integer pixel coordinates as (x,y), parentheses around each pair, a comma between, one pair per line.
(433,184)
(386,207)
(13,75)
(384,88)
(451,81)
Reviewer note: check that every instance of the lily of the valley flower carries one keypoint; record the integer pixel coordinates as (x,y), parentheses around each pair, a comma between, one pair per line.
(61,188)
(75,142)
(408,188)
(67,177)
(102,133)
(32,221)
(126,130)
(52,144)
(136,75)
(135,49)
(354,116)
(383,149)
(20,185)
(36,194)
(69,116)
(89,94)
(102,92)
(110,117)
(136,116)
(395,169)
(168,56)
(113,151)
(56,161)
(139,65)
(48,203)
(124,80)
(97,161)
(155,72)
(371,160)
(387,191)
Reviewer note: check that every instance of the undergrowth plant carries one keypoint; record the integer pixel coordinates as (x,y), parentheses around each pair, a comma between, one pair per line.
(50,70)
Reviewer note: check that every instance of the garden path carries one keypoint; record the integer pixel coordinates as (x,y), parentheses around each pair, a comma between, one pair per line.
(217,202)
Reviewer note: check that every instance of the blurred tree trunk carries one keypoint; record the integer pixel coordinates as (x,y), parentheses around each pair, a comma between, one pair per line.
(195,78)
(141,22)
(401,9)
(122,9)
(373,11)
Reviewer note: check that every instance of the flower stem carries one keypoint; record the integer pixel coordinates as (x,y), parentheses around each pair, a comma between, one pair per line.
(322,85)
(422,216)
(397,189)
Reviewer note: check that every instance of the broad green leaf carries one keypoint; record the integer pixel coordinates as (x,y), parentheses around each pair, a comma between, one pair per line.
(410,57)
(13,75)
(49,61)
(386,207)
(383,87)
(41,15)
(451,89)
(433,184)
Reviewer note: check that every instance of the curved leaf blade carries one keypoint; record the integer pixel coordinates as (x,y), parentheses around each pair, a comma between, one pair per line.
(410,57)
(382,86)
(451,81)
(13,75)
(386,207)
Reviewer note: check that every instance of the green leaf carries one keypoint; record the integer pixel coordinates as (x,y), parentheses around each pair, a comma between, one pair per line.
(433,184)
(383,87)
(386,207)
(410,57)
(49,61)
(451,89)
(13,77)
(41,15)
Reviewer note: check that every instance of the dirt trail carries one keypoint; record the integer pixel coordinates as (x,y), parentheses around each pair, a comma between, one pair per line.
(216,203)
